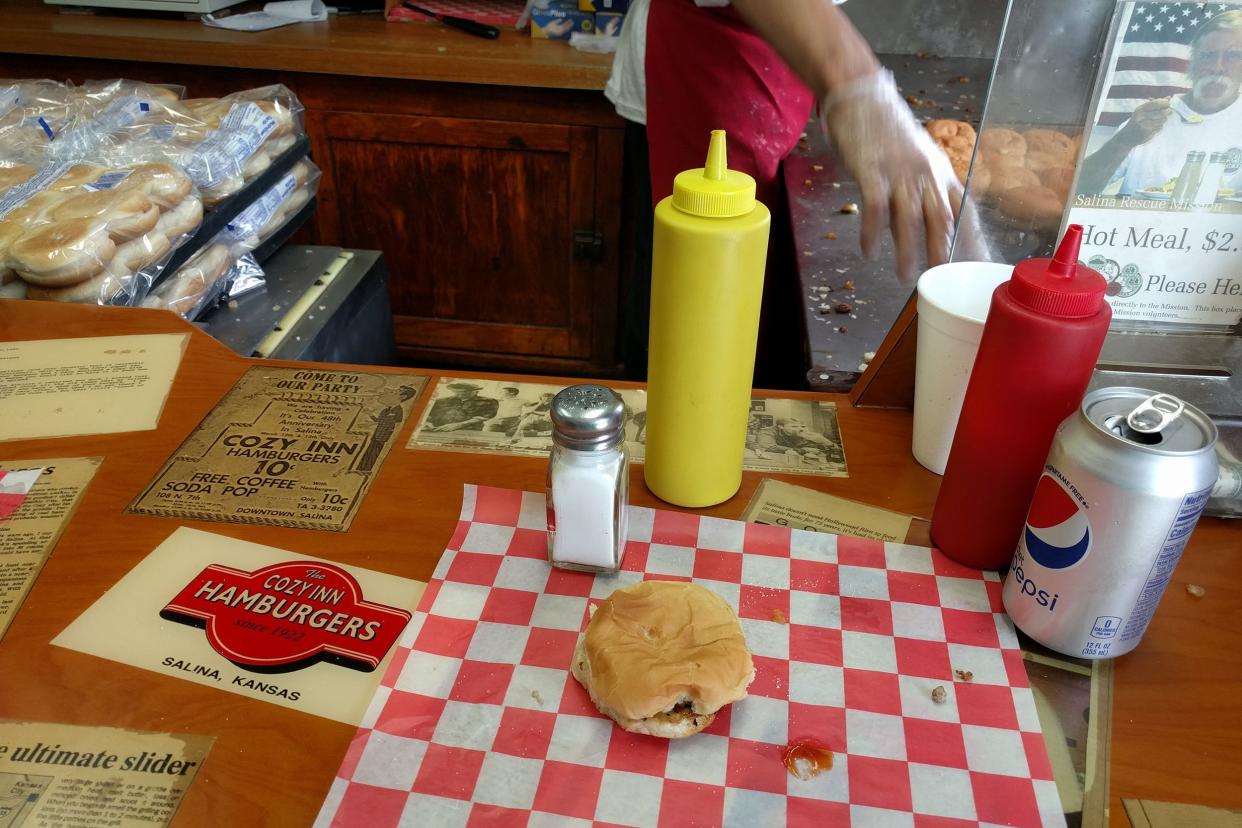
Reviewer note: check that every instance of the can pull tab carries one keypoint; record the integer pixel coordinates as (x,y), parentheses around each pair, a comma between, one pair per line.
(1154,413)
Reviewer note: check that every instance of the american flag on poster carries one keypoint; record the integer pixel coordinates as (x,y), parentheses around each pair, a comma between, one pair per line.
(1154,55)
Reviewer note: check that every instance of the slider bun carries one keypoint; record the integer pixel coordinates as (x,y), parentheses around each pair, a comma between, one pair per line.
(161,182)
(62,253)
(279,145)
(1008,177)
(181,219)
(133,256)
(1049,141)
(11,176)
(77,175)
(256,164)
(189,284)
(662,657)
(1040,206)
(1003,143)
(207,110)
(126,210)
(279,113)
(99,289)
(222,189)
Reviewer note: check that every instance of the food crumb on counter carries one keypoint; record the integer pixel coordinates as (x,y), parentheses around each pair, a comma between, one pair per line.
(963,675)
(849,285)
(779,617)
(1195,590)
(842,307)
(870,355)
(817,167)
(849,208)
(830,236)
(806,182)
(939,694)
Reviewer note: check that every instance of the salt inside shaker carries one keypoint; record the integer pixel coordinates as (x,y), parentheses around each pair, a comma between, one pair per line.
(588,480)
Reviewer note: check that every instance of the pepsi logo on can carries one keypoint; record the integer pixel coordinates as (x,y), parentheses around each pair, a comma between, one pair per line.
(1057,533)
(1126,479)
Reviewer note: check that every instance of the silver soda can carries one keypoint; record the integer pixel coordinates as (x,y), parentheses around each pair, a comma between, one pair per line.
(1125,481)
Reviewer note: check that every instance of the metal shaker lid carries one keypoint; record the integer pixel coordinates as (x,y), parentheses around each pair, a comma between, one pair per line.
(1165,425)
(588,418)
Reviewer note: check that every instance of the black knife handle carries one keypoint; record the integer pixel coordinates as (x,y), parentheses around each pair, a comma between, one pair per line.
(473,27)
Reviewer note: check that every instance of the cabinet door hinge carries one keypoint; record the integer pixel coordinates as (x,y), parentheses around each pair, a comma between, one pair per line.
(588,245)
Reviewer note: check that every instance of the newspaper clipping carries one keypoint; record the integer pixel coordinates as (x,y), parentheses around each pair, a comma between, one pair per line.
(780,504)
(29,534)
(287,447)
(503,417)
(59,775)
(92,385)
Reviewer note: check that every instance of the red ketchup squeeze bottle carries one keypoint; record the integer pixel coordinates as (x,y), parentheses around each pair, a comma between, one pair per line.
(1040,343)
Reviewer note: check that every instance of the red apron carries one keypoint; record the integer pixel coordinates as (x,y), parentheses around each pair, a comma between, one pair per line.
(706,69)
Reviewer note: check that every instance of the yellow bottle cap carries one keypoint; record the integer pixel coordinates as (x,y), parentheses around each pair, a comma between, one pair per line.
(714,191)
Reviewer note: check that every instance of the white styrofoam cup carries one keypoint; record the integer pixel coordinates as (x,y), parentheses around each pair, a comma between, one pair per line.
(953,301)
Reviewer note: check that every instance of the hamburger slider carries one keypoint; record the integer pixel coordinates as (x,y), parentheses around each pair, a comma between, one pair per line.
(661,657)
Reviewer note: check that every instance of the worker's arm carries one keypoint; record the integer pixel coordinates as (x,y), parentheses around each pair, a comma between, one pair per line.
(907,183)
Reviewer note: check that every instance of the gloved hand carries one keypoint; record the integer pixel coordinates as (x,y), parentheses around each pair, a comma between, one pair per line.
(907,183)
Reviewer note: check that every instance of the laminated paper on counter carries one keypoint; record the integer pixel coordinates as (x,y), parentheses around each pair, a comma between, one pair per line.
(502,417)
(28,535)
(289,629)
(286,447)
(782,504)
(92,777)
(91,385)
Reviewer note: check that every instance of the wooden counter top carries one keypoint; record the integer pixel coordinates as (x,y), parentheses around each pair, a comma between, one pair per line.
(359,45)
(1177,705)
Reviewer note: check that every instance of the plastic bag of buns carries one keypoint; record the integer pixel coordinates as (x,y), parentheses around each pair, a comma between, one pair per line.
(246,132)
(83,232)
(32,112)
(201,282)
(254,225)
(53,123)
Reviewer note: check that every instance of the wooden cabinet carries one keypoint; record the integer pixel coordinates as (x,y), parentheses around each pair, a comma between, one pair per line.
(497,208)
(501,251)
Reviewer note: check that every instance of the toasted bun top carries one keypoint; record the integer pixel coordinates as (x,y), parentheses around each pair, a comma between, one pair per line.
(658,643)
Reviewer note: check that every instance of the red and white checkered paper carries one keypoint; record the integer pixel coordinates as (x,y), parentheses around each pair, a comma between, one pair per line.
(479,722)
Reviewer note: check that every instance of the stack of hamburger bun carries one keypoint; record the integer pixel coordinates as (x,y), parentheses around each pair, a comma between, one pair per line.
(1026,175)
(194,282)
(276,103)
(85,236)
(99,183)
(187,291)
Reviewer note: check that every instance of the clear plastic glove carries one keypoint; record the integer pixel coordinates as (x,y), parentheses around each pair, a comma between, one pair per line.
(907,183)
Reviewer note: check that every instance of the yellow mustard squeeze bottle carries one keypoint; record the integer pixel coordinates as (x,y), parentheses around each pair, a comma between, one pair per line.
(708,254)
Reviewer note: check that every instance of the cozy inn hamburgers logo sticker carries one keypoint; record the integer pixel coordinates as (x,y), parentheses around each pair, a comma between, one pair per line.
(288,616)
(273,625)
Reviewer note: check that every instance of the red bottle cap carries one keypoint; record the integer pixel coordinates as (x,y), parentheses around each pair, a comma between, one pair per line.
(1059,286)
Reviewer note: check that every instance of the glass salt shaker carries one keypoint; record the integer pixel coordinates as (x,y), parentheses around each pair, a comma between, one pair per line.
(588,480)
